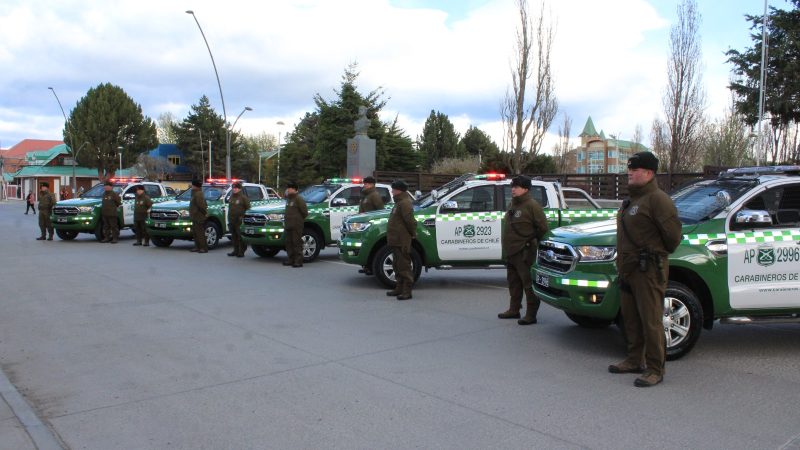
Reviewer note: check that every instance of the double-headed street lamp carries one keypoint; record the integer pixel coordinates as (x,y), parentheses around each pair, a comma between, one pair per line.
(221,97)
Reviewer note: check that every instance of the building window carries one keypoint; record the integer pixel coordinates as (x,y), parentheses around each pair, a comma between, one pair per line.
(596,155)
(580,156)
(612,154)
(596,168)
(174,159)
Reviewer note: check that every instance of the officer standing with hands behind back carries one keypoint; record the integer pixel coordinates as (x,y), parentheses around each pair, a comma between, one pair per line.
(46,203)
(198,210)
(648,230)
(141,207)
(293,219)
(400,232)
(237,205)
(108,211)
(525,225)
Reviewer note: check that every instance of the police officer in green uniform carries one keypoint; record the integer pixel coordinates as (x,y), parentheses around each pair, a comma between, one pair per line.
(141,207)
(108,211)
(237,205)
(46,203)
(400,232)
(525,224)
(370,198)
(293,219)
(198,211)
(648,230)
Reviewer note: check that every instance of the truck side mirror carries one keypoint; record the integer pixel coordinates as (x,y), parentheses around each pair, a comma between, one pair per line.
(450,206)
(753,218)
(128,196)
(339,202)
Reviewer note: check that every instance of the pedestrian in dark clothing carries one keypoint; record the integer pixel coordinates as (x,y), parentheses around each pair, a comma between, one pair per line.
(29,204)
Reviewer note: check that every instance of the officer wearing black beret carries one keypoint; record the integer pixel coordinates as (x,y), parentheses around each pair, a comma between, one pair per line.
(370,198)
(198,211)
(648,230)
(294,218)
(237,205)
(400,232)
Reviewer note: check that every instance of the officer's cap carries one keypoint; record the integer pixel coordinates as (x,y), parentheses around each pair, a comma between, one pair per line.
(521,181)
(197,183)
(400,185)
(643,160)
(293,185)
(370,180)
(108,183)
(237,184)
(139,187)
(47,185)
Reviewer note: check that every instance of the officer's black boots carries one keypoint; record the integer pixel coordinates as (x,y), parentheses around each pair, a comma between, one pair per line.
(510,314)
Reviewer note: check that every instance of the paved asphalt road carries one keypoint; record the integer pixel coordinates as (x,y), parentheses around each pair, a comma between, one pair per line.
(114,346)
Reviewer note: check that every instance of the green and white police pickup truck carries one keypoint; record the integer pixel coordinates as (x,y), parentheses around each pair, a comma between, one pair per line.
(82,214)
(739,260)
(170,220)
(458,225)
(328,203)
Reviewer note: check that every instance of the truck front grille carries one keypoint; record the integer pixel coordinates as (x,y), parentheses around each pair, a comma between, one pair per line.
(556,256)
(164,215)
(255,219)
(65,211)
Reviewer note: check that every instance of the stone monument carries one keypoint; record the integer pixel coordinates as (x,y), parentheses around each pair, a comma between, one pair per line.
(361,148)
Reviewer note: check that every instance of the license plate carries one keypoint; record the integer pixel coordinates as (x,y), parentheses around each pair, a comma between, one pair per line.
(542,280)
(161,225)
(61,219)
(249,230)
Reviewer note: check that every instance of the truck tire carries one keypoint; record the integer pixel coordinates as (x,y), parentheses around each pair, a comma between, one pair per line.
(265,251)
(161,241)
(589,322)
(382,266)
(67,235)
(683,319)
(213,234)
(312,244)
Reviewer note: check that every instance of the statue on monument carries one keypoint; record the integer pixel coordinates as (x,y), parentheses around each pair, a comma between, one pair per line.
(362,123)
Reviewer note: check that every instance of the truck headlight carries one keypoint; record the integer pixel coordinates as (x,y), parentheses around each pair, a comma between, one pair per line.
(591,253)
(357,226)
(184,213)
(275,217)
(85,209)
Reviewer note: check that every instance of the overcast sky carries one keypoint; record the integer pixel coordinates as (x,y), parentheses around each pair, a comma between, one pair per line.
(452,56)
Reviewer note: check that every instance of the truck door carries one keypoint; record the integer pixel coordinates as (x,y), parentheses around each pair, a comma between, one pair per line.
(468,226)
(128,205)
(342,204)
(764,250)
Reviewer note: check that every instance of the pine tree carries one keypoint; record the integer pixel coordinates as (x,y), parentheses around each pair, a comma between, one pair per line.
(439,139)
(204,121)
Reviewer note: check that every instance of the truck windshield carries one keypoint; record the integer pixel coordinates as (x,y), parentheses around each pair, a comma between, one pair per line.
(97,190)
(318,193)
(212,193)
(702,201)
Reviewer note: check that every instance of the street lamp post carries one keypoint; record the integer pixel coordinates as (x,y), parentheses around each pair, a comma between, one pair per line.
(228,132)
(224,111)
(120,157)
(278,177)
(71,138)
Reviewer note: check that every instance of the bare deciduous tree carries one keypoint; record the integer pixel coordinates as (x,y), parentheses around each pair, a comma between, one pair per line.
(685,98)
(728,141)
(166,128)
(152,167)
(526,121)
(561,148)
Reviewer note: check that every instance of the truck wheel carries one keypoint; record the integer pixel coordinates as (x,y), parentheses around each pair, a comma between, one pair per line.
(98,231)
(383,270)
(265,251)
(683,319)
(161,241)
(589,322)
(213,234)
(67,235)
(312,244)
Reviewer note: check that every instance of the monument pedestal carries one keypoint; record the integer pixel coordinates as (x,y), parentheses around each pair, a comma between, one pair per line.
(360,156)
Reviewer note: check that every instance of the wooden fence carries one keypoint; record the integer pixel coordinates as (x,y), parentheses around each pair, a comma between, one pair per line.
(607,186)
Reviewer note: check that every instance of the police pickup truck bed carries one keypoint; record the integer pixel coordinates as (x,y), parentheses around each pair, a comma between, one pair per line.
(458,226)
(738,260)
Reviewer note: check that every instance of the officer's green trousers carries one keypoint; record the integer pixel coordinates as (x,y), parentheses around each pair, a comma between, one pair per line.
(643,314)
(518,275)
(403,273)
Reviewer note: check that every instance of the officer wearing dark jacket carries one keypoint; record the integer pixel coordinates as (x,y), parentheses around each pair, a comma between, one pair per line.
(198,211)
(370,198)
(293,219)
(108,211)
(525,224)
(400,232)
(141,207)
(237,205)
(46,203)
(648,230)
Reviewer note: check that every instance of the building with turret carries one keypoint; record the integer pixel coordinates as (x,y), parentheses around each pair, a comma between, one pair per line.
(599,154)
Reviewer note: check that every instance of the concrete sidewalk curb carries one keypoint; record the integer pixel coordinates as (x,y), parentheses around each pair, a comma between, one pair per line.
(42,437)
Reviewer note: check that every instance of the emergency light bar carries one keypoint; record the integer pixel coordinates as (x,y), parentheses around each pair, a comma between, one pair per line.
(344,180)
(222,180)
(490,176)
(126,180)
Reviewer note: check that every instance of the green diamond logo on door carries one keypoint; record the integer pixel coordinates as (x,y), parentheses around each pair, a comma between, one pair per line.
(766,256)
